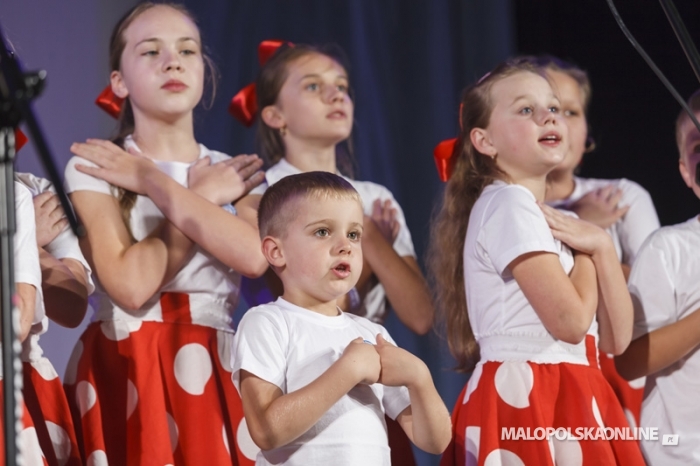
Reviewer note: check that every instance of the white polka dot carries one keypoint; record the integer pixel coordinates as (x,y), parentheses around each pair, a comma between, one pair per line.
(514,383)
(60,442)
(473,382)
(501,457)
(117,330)
(97,458)
(45,369)
(567,452)
(173,431)
(630,418)
(72,367)
(30,448)
(132,398)
(245,441)
(472,437)
(224,342)
(596,413)
(193,368)
(638,384)
(85,396)
(610,356)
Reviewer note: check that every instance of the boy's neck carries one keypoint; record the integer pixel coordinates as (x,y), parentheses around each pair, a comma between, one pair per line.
(308,157)
(326,308)
(560,186)
(167,141)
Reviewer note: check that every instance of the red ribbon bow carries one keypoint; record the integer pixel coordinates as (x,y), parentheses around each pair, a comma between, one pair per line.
(109,102)
(444,154)
(20,139)
(244,105)
(444,158)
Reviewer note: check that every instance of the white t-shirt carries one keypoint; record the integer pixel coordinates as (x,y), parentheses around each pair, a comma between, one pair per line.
(63,246)
(374,305)
(504,224)
(630,231)
(213,287)
(290,346)
(26,254)
(665,288)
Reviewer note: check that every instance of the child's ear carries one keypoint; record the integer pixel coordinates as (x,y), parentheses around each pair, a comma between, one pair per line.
(481,142)
(272,251)
(118,85)
(272,117)
(685,173)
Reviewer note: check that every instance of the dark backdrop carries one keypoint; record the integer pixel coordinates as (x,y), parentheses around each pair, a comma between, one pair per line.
(408,63)
(632,116)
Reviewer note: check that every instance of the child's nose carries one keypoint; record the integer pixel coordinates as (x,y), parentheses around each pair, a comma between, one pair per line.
(172,61)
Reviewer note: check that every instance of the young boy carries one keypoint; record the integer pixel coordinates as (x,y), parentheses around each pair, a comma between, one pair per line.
(315,381)
(665,286)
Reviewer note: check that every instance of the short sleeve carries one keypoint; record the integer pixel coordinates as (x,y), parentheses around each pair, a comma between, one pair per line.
(78,181)
(260,347)
(395,399)
(513,225)
(652,290)
(639,222)
(27,268)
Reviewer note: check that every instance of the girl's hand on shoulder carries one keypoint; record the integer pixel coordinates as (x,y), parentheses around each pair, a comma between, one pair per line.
(49,217)
(128,170)
(226,181)
(383,218)
(601,206)
(578,234)
(363,360)
(399,367)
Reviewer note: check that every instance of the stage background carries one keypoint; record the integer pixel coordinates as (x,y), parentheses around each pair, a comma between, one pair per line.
(408,63)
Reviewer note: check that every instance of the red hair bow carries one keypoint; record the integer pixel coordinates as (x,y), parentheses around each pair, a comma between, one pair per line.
(244,105)
(109,102)
(444,158)
(20,139)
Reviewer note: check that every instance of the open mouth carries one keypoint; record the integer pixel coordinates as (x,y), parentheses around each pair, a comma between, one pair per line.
(337,115)
(342,270)
(550,139)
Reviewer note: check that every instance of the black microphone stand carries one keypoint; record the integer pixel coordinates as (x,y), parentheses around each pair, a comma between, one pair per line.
(17,89)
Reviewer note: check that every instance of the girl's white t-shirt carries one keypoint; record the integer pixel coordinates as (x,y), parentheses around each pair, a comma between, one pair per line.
(504,224)
(213,287)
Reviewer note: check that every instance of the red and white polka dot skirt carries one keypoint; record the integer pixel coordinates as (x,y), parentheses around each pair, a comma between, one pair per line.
(157,393)
(28,440)
(48,408)
(630,393)
(510,395)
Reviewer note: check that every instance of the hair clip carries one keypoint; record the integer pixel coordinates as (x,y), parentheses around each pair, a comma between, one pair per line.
(444,158)
(109,102)
(244,105)
(20,139)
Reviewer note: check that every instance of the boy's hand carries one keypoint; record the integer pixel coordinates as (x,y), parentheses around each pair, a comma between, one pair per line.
(399,367)
(362,358)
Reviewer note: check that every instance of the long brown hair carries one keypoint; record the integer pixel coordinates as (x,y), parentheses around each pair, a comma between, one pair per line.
(267,89)
(472,172)
(126,126)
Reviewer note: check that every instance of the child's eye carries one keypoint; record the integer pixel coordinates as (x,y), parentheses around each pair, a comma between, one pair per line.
(322,232)
(554,109)
(354,235)
(526,110)
(188,52)
(312,87)
(150,53)
(343,88)
(570,113)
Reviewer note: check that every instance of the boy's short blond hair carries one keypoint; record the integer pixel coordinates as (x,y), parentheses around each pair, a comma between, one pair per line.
(694,104)
(277,210)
